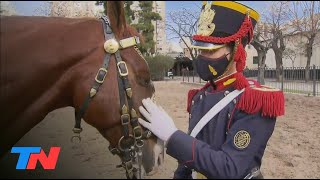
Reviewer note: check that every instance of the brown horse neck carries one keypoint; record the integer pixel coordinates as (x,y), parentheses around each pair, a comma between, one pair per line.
(34,84)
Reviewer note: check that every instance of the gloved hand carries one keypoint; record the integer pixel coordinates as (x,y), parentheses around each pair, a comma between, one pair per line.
(160,124)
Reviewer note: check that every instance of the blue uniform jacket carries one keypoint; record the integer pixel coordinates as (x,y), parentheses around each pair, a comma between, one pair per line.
(229,146)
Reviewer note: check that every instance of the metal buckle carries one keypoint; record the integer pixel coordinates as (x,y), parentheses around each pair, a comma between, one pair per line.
(139,144)
(96,78)
(114,151)
(125,119)
(77,130)
(76,136)
(121,139)
(134,132)
(120,70)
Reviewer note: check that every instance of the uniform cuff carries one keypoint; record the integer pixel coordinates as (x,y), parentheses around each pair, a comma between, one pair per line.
(181,147)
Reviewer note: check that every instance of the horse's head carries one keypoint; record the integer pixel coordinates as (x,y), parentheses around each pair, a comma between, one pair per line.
(111,101)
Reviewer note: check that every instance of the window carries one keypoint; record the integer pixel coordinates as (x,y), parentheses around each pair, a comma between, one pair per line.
(255,60)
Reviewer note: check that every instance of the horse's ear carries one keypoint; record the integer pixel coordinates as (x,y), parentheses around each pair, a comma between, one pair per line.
(115,12)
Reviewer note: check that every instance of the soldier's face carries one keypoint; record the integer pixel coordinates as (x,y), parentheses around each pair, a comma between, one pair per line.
(218,53)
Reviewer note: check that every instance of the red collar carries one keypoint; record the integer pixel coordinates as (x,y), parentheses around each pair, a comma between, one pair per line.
(222,83)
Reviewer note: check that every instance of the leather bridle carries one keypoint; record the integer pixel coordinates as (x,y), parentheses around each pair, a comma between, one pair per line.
(129,146)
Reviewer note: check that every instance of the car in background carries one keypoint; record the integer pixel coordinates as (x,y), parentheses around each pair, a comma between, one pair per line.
(170,74)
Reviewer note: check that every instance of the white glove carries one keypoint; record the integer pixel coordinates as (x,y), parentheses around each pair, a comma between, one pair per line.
(160,124)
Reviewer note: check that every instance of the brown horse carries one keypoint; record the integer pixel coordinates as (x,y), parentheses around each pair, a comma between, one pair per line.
(49,63)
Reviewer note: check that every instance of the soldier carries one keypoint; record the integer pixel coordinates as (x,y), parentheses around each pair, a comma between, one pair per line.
(232,143)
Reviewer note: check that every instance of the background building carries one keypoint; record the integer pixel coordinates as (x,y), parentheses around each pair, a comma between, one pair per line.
(160,28)
(186,51)
(160,39)
(294,47)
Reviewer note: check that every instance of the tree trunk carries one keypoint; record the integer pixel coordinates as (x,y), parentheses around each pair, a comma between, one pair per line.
(278,66)
(261,66)
(262,54)
(309,55)
(307,72)
(278,52)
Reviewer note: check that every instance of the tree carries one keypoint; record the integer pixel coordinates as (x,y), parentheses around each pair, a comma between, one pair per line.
(306,21)
(262,46)
(146,28)
(290,54)
(182,24)
(277,23)
(129,14)
(6,9)
(158,65)
(71,9)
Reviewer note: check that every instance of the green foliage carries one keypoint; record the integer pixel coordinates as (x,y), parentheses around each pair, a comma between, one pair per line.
(129,14)
(144,26)
(159,65)
(104,3)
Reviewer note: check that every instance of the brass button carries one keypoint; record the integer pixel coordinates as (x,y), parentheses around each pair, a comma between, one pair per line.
(226,93)
(235,101)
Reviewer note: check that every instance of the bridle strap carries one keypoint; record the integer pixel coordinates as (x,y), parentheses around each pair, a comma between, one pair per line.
(129,147)
(99,79)
(123,74)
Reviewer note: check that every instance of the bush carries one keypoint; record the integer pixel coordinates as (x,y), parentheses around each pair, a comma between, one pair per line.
(159,65)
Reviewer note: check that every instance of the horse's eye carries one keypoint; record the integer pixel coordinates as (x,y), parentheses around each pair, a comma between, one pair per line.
(147,82)
(144,81)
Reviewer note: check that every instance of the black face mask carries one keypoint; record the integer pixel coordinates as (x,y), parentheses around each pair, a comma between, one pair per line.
(211,69)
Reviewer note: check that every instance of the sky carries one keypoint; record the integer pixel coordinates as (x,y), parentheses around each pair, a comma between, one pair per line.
(27,8)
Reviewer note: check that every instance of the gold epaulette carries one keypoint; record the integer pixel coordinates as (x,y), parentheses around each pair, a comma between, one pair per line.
(259,98)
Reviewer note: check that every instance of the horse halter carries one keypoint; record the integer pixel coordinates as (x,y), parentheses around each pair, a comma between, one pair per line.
(129,146)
